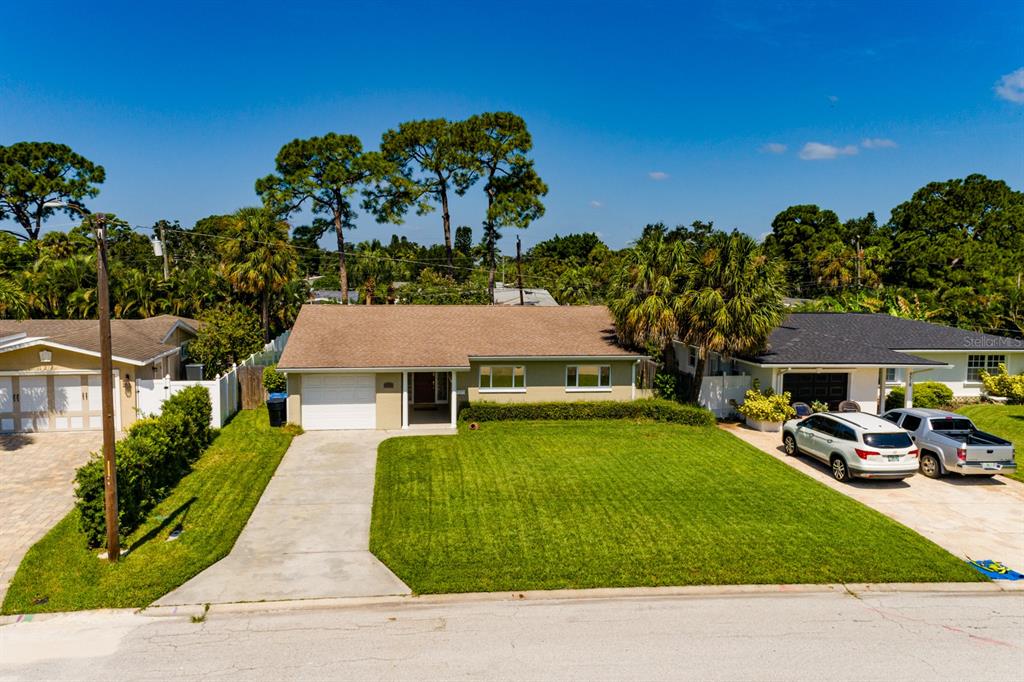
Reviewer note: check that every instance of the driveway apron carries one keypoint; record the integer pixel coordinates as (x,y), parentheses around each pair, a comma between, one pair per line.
(972,517)
(309,536)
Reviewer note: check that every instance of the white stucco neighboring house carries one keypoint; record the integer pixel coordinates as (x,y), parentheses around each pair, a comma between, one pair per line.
(833,357)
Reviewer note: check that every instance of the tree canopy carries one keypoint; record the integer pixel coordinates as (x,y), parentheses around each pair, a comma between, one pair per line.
(34,174)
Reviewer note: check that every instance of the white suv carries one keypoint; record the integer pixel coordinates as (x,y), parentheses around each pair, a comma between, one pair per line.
(853,444)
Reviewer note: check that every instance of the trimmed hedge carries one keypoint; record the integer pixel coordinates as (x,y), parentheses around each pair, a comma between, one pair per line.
(274,381)
(151,459)
(927,395)
(650,409)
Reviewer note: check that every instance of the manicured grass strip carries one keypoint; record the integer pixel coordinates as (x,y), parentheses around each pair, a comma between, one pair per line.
(212,504)
(545,505)
(1006,421)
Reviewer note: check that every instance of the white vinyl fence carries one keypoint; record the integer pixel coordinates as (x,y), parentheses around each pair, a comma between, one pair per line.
(717,391)
(224,394)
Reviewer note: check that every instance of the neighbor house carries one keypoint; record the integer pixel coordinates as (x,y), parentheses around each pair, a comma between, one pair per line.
(389,367)
(831,357)
(50,369)
(509,295)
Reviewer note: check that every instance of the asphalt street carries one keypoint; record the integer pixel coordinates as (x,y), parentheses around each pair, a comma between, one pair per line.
(838,635)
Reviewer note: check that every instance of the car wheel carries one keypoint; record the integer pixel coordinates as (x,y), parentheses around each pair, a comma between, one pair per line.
(789,445)
(840,472)
(930,466)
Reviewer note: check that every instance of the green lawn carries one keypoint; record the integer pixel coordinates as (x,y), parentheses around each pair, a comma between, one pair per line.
(544,505)
(1002,420)
(212,504)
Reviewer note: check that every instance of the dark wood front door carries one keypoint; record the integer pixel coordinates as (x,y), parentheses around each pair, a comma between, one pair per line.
(423,388)
(806,387)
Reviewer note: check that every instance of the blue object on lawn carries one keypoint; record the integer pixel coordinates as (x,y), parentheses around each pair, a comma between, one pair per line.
(278,396)
(995,570)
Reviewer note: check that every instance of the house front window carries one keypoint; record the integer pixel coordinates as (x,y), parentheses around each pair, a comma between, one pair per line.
(588,377)
(497,378)
(978,363)
(893,375)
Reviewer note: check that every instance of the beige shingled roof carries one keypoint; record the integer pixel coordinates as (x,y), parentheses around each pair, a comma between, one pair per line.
(137,340)
(382,336)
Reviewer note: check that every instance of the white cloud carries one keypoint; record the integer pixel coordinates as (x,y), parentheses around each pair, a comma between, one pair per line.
(816,151)
(774,148)
(877,143)
(596,204)
(1011,87)
(658,175)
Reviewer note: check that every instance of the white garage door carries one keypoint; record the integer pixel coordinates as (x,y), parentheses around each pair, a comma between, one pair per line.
(338,401)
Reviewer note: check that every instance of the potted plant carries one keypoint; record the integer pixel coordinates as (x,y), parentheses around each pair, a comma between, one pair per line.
(766,410)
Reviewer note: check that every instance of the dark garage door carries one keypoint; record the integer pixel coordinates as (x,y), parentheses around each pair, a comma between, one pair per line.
(806,388)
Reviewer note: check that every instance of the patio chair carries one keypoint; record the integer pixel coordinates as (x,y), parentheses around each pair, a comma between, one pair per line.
(849,406)
(803,409)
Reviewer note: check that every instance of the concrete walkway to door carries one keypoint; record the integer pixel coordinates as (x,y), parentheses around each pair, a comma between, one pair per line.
(309,536)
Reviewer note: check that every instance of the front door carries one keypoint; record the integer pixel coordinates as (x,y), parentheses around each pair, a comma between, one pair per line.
(423,388)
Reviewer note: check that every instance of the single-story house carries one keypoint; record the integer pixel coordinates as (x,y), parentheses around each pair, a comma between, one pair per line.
(50,369)
(833,357)
(505,294)
(389,367)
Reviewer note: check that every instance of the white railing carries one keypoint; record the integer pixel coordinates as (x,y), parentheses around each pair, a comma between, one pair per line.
(223,389)
(717,391)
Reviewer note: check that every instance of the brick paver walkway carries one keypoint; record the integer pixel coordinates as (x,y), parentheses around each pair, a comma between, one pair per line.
(37,474)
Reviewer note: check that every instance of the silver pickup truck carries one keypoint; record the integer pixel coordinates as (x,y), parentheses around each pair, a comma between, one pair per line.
(950,442)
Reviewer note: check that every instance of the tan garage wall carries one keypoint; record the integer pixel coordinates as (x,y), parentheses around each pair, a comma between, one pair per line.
(389,400)
(545,382)
(27,360)
(294,406)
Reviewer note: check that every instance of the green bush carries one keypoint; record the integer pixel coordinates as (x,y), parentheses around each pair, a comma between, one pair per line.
(651,409)
(151,459)
(274,381)
(927,394)
(666,385)
(767,406)
(1004,385)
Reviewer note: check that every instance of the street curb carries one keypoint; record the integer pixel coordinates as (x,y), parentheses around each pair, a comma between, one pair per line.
(854,590)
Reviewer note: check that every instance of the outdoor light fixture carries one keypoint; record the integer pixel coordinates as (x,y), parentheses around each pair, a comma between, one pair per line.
(45,357)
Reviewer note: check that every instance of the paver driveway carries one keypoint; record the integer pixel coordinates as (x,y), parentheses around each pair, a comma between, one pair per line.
(979,518)
(309,536)
(37,473)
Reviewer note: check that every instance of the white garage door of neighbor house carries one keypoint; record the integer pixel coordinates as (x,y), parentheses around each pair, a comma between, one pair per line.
(338,401)
(62,402)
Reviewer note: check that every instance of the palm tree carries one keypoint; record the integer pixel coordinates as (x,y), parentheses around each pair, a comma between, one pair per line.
(372,269)
(13,302)
(258,258)
(731,299)
(643,294)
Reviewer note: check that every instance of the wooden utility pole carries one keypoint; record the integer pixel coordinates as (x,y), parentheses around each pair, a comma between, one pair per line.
(858,262)
(163,250)
(107,391)
(519,269)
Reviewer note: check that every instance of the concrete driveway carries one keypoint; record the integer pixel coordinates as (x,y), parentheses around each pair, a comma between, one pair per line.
(37,473)
(309,536)
(979,518)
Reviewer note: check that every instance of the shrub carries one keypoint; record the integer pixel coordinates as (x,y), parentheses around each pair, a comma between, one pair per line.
(229,334)
(652,409)
(274,381)
(666,385)
(818,406)
(767,406)
(927,394)
(1004,385)
(151,459)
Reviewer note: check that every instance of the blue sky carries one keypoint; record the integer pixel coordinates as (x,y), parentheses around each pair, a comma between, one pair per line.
(640,111)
